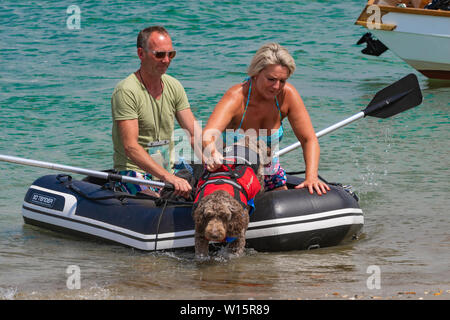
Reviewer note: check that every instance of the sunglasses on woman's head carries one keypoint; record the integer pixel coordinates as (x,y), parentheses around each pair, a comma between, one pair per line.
(162,54)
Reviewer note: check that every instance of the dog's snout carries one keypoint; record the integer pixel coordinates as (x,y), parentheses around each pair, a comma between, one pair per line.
(215,230)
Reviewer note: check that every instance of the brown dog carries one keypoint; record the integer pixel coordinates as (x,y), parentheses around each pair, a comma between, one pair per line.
(221,213)
(219,217)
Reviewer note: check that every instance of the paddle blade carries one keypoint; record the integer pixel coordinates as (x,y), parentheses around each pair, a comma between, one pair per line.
(398,97)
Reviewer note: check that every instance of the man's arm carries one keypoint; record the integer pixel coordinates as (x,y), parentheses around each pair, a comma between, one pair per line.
(129,133)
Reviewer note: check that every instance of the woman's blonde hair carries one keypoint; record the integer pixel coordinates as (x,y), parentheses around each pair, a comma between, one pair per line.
(271,53)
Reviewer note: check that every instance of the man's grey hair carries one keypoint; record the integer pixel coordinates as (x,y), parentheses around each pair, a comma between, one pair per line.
(143,35)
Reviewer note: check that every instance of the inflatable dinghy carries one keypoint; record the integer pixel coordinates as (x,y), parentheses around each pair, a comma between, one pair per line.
(282,221)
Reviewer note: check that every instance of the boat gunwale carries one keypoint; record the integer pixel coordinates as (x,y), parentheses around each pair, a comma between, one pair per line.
(362,19)
(419,11)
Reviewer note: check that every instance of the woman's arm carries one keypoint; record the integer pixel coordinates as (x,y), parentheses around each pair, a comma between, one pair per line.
(223,114)
(301,124)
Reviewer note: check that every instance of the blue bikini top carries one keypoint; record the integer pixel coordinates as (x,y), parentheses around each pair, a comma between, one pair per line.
(274,137)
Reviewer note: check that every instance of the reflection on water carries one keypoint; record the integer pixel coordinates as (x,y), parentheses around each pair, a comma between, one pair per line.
(123,273)
(436,84)
(176,275)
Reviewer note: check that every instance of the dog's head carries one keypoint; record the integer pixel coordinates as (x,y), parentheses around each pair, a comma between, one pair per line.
(218,215)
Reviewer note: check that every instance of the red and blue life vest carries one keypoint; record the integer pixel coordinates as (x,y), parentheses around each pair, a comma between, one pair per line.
(240,181)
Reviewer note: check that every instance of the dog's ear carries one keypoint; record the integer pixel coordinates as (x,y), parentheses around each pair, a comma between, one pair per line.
(235,210)
(198,215)
(198,212)
(239,218)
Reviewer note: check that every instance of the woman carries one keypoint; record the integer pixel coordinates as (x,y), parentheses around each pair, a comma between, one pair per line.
(261,103)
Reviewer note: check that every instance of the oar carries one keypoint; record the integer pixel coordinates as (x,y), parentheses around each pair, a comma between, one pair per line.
(90,173)
(398,97)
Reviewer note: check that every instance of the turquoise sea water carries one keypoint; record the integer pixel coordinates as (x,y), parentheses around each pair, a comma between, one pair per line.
(55,89)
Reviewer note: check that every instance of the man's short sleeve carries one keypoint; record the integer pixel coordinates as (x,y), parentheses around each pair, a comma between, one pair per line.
(123,105)
(176,93)
(183,102)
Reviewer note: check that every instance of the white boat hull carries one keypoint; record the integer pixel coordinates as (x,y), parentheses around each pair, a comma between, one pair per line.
(420,37)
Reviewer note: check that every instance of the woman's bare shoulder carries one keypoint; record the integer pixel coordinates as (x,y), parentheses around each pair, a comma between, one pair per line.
(236,90)
(234,95)
(290,90)
(290,100)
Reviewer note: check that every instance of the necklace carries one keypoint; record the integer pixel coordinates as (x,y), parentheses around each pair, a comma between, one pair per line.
(158,107)
(143,82)
(145,86)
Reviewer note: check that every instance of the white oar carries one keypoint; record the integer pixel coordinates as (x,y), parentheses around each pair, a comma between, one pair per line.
(398,97)
(91,173)
(323,132)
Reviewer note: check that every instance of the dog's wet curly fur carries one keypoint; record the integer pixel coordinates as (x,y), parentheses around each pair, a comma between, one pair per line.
(218,216)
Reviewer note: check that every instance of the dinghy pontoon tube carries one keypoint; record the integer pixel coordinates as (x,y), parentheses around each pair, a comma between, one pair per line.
(282,221)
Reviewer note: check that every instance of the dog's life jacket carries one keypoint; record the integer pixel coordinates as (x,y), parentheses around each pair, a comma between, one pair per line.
(239,181)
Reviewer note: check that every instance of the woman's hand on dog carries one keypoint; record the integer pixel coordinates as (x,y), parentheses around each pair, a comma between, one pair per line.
(214,162)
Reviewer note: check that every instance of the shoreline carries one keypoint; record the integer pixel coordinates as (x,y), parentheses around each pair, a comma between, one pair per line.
(106,293)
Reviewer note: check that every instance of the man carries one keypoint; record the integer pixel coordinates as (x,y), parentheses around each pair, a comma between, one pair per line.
(143,109)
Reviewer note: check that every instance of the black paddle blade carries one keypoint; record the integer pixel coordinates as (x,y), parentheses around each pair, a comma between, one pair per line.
(398,97)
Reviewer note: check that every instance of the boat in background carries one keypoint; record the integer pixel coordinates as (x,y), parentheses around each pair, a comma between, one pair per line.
(413,30)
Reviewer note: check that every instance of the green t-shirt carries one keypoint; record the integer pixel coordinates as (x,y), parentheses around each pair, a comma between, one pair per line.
(130,100)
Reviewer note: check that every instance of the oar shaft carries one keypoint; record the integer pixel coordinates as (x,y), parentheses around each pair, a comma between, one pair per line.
(340,124)
(323,132)
(87,172)
(53,166)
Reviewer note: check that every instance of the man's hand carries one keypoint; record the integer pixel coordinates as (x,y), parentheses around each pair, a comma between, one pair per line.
(181,186)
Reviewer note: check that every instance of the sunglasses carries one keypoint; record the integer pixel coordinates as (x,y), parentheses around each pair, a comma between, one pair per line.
(162,54)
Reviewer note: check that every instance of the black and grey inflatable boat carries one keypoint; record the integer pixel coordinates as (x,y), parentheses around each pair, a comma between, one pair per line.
(283,220)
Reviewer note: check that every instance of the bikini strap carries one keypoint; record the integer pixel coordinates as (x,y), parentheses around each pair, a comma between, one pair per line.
(248,100)
(279,110)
